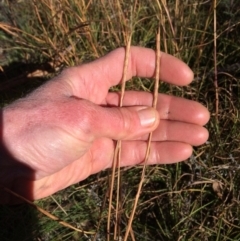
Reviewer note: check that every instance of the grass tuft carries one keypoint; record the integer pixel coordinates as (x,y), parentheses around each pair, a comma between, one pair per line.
(194,200)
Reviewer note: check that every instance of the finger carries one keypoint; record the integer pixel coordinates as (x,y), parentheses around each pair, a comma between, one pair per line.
(93,121)
(133,153)
(161,152)
(192,134)
(169,107)
(107,71)
(142,64)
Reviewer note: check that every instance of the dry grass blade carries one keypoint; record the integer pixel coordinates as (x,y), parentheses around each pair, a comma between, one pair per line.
(16,32)
(215,58)
(155,98)
(42,26)
(6,28)
(164,3)
(45,212)
(116,161)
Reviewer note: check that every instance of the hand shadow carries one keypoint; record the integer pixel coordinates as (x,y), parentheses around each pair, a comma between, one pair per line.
(18,222)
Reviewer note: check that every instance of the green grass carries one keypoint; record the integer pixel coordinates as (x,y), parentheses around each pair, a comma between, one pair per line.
(194,200)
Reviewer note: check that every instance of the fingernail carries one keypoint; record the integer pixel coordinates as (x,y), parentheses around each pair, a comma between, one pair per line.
(147,117)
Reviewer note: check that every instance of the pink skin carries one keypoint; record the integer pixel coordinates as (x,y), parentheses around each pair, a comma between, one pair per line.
(66,130)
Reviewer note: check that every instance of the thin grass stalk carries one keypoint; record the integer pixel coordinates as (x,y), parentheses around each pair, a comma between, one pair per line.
(42,25)
(202,39)
(177,14)
(215,59)
(6,28)
(162,20)
(154,105)
(9,29)
(101,217)
(123,86)
(110,22)
(116,161)
(116,226)
(111,189)
(128,37)
(171,26)
(59,205)
(118,201)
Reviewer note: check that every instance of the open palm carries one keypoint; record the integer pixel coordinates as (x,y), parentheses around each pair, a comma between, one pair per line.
(66,130)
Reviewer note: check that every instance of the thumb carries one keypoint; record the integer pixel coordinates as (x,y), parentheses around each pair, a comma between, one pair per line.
(123,123)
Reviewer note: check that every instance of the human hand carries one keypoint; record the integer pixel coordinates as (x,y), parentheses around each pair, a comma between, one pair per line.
(66,130)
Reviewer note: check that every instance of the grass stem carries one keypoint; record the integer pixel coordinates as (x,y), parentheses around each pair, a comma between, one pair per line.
(154,104)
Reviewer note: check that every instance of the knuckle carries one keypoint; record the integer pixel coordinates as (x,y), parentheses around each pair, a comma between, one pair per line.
(126,121)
